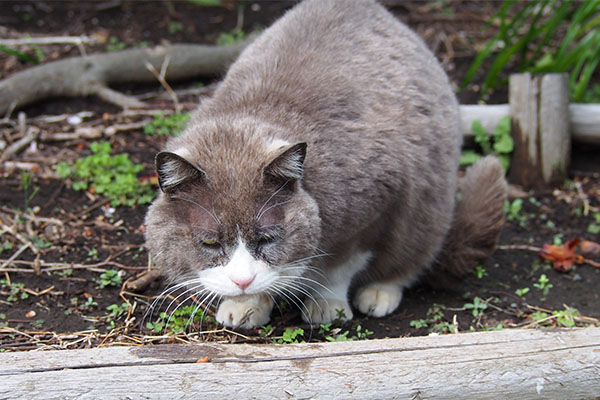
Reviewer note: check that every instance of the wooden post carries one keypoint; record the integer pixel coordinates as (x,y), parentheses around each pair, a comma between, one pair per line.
(539,107)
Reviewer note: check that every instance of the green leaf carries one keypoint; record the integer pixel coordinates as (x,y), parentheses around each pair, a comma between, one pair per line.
(206,3)
(469,157)
(21,56)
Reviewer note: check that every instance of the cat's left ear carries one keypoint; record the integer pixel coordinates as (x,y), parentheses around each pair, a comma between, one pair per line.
(174,170)
(289,163)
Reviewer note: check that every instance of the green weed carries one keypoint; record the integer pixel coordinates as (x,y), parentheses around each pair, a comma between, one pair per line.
(543,284)
(542,37)
(5,246)
(111,176)
(480,272)
(499,144)
(522,292)
(513,209)
(115,44)
(477,307)
(290,336)
(232,37)
(206,3)
(110,278)
(171,125)
(174,27)
(179,320)
(15,291)
(594,227)
(28,192)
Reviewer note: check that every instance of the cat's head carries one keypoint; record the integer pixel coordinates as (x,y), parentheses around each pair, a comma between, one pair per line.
(233,220)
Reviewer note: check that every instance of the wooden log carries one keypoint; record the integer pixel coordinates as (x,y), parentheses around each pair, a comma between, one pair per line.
(539,109)
(584,118)
(508,364)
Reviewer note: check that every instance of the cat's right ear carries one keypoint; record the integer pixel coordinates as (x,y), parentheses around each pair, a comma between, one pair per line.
(173,171)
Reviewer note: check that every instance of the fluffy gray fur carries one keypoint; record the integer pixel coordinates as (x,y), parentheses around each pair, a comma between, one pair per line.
(341,123)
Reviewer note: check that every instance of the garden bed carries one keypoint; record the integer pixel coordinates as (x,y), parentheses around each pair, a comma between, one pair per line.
(68,257)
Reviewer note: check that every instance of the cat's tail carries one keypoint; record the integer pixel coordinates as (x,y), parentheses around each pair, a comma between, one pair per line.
(478,219)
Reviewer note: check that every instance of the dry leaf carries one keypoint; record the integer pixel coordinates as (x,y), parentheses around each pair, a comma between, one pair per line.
(203,360)
(589,248)
(565,256)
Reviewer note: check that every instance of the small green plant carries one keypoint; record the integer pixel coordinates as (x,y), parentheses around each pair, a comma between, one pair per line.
(480,272)
(116,312)
(65,272)
(340,314)
(174,27)
(501,147)
(522,292)
(265,331)
(543,284)
(37,324)
(513,209)
(87,305)
(477,307)
(5,246)
(594,227)
(115,44)
(179,320)
(418,323)
(435,320)
(171,125)
(110,278)
(93,253)
(40,243)
(111,176)
(290,336)
(232,37)
(28,192)
(206,3)
(362,333)
(15,291)
(566,317)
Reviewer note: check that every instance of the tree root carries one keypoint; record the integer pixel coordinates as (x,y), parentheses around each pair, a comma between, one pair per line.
(91,75)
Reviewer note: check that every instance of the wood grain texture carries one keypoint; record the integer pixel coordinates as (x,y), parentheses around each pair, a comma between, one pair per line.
(518,364)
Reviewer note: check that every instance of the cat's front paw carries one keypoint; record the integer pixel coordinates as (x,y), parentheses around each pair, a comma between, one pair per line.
(248,313)
(323,311)
(378,299)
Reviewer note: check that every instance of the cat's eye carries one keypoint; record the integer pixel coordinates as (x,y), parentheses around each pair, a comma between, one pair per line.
(266,240)
(211,244)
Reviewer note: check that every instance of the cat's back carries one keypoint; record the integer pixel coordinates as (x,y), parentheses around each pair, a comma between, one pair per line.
(348,59)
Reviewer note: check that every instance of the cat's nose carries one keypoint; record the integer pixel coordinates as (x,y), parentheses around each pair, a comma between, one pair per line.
(243,283)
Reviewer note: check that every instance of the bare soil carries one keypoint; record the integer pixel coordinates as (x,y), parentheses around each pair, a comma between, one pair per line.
(58,244)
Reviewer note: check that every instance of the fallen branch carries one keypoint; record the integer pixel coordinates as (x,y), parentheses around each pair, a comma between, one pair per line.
(91,75)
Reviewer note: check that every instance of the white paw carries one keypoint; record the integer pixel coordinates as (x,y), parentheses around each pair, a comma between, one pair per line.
(323,311)
(248,313)
(378,299)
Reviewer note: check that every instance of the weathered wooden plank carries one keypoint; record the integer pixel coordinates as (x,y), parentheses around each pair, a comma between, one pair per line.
(584,120)
(523,364)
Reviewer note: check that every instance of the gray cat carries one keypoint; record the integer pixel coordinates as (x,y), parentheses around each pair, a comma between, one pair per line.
(324,166)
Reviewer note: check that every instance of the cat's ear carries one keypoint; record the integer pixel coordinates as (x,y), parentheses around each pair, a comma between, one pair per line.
(173,170)
(288,164)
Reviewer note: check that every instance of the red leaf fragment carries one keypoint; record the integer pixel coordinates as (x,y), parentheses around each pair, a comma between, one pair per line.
(565,256)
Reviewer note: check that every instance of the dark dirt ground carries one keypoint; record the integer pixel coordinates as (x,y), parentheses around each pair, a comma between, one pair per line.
(78,236)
